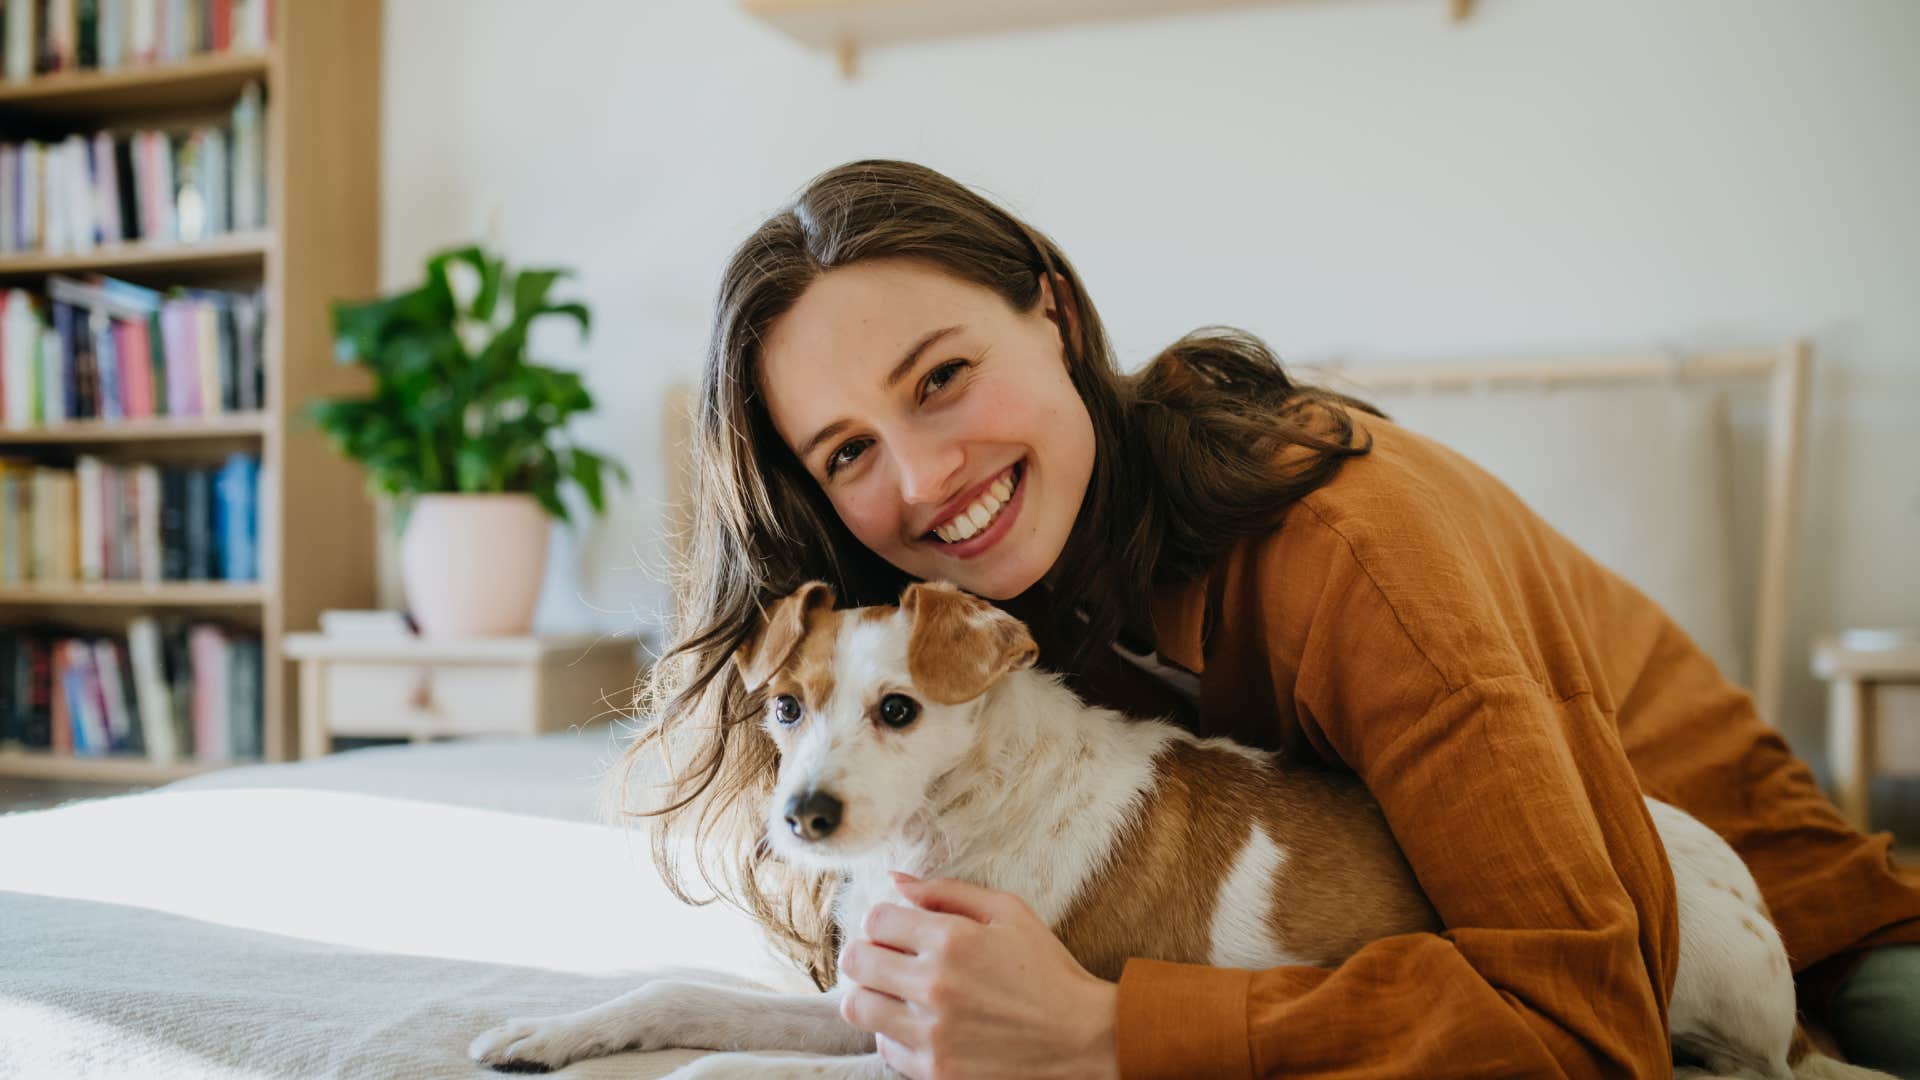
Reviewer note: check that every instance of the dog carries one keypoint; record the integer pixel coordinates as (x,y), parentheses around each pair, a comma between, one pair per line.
(921,738)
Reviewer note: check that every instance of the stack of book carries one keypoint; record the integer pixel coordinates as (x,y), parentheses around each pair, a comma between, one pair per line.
(172,186)
(170,692)
(101,521)
(98,348)
(39,37)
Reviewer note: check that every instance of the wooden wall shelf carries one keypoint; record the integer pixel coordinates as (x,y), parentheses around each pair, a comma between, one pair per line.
(844,27)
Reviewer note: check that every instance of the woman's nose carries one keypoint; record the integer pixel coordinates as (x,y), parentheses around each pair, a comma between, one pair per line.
(929,468)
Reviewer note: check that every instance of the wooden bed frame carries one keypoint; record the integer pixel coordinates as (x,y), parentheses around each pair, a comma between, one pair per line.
(1786,371)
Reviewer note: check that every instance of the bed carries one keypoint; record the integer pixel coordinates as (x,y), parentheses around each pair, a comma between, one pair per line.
(361,915)
(368,913)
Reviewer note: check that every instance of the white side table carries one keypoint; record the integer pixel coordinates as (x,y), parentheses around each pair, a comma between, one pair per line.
(1873,722)
(426,688)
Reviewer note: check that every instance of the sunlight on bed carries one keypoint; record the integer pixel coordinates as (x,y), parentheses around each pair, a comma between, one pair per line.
(378,873)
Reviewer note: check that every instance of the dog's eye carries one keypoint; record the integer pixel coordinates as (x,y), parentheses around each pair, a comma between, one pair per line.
(898,710)
(786,709)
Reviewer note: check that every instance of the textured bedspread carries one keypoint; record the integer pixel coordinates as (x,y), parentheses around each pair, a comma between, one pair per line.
(361,916)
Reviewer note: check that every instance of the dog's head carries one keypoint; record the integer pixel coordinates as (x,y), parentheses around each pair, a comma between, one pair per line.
(869,707)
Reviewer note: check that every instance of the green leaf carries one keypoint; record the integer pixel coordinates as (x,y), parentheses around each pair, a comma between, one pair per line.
(475,467)
(586,466)
(439,419)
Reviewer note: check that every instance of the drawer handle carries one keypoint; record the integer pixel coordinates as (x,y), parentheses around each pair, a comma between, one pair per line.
(422,696)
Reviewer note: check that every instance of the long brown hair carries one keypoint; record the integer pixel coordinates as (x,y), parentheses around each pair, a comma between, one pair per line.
(1211,442)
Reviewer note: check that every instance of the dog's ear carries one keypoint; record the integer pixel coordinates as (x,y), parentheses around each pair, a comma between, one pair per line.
(768,647)
(958,644)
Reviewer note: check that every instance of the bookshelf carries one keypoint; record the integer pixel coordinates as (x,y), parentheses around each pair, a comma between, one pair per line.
(844,27)
(321,83)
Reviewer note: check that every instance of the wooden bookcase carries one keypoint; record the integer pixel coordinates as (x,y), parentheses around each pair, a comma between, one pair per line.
(321,78)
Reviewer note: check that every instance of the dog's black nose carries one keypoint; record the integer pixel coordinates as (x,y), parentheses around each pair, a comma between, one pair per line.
(813,815)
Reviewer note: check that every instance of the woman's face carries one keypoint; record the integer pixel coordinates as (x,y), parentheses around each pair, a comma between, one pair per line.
(939,421)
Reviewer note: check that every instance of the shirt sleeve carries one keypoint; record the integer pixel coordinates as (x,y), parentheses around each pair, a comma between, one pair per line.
(1520,816)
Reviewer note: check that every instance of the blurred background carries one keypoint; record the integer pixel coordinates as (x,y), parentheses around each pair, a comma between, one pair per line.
(1359,182)
(1345,178)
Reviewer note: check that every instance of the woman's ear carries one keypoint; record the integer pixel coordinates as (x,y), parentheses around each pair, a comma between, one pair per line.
(1059,304)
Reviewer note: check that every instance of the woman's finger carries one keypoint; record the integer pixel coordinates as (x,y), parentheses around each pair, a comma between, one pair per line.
(880,967)
(904,1059)
(908,929)
(881,1015)
(960,898)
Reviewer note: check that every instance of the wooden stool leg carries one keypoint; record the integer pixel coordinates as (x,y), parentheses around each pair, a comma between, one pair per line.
(1849,749)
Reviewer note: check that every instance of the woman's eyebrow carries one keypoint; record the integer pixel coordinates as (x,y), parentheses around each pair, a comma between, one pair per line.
(900,371)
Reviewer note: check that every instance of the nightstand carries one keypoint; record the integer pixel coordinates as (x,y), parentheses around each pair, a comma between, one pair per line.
(1873,722)
(425,688)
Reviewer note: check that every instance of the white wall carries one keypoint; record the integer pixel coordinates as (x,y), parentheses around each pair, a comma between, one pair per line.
(1350,177)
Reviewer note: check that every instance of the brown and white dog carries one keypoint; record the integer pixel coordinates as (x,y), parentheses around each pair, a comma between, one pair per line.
(919,738)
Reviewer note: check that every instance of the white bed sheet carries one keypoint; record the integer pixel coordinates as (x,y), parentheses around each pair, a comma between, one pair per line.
(364,915)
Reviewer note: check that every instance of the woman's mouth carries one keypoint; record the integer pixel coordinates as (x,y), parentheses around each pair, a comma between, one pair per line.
(975,528)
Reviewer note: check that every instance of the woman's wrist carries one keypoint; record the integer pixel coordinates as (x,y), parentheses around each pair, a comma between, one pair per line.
(1101,1057)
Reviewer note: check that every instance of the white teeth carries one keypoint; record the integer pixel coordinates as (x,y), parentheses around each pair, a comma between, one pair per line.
(976,517)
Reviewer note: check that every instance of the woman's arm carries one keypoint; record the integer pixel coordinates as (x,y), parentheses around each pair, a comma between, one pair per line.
(1548,968)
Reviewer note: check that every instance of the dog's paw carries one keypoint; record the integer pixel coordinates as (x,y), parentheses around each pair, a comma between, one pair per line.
(540,1045)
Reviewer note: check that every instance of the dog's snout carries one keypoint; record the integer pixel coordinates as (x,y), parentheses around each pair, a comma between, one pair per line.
(813,815)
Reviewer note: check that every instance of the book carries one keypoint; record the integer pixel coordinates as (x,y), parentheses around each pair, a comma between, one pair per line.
(235,516)
(117,716)
(151,690)
(212,716)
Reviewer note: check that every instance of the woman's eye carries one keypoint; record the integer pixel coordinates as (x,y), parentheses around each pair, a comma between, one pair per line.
(786,709)
(939,377)
(898,710)
(845,456)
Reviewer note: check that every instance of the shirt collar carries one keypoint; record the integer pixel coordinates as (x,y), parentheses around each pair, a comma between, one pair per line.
(1179,622)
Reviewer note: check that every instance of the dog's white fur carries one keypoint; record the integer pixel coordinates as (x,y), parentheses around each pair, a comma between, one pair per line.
(1028,790)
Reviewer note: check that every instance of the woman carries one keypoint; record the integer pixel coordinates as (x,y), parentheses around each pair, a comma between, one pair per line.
(1262,560)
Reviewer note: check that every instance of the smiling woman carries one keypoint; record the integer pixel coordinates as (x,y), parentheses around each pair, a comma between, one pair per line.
(908,383)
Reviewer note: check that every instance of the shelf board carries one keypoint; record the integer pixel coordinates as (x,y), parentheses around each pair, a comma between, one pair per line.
(845,26)
(229,252)
(161,429)
(211,80)
(111,769)
(134,594)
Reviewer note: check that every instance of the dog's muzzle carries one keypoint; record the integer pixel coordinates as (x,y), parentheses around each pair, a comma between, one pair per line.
(813,815)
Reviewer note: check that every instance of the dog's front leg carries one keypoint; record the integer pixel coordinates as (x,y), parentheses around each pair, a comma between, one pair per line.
(673,1013)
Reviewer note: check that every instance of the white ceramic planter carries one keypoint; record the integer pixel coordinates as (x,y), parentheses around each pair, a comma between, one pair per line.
(472,564)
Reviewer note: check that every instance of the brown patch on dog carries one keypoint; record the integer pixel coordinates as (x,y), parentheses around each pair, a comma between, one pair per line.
(792,651)
(1800,1047)
(1342,881)
(959,645)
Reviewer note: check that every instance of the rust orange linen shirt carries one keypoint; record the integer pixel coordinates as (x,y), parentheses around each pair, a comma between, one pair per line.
(1507,699)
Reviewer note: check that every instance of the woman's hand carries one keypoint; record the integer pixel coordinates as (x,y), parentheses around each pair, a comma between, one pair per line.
(969,982)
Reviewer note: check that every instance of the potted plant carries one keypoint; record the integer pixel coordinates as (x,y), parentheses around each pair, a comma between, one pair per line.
(468,434)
